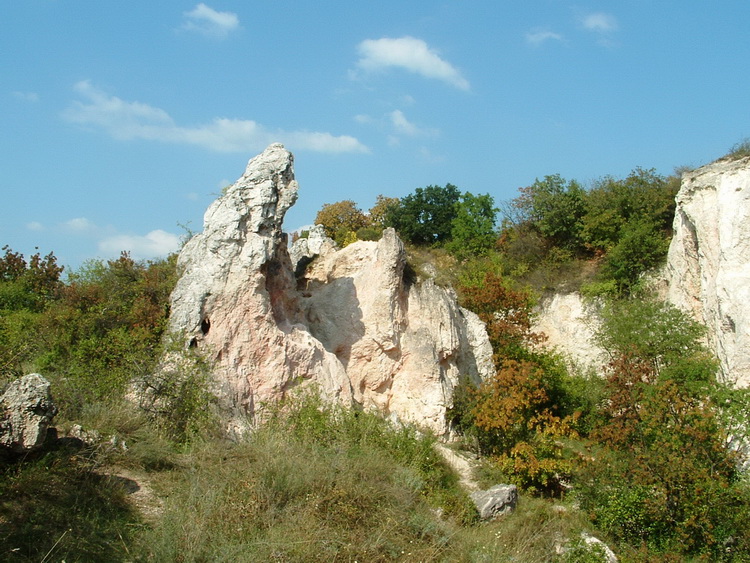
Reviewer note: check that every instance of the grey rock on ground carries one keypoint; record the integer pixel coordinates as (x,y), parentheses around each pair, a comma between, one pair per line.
(26,411)
(495,501)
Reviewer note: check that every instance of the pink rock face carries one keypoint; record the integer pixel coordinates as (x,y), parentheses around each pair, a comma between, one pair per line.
(357,331)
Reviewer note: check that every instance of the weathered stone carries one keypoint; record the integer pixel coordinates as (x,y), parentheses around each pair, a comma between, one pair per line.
(305,250)
(405,347)
(708,266)
(607,554)
(570,325)
(495,501)
(26,410)
(347,323)
(236,299)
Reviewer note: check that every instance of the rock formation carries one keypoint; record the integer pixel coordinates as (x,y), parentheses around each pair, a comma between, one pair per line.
(570,324)
(26,410)
(707,273)
(708,266)
(347,323)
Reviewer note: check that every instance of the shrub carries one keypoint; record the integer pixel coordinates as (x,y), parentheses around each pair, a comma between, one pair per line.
(663,474)
(739,150)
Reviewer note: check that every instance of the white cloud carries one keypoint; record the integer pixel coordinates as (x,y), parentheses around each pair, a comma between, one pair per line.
(79,225)
(411,54)
(155,244)
(600,22)
(405,127)
(363,119)
(35,226)
(538,37)
(209,22)
(134,120)
(26,96)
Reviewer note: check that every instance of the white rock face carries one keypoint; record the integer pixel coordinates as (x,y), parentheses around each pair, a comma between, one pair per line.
(235,300)
(570,324)
(350,325)
(709,260)
(404,347)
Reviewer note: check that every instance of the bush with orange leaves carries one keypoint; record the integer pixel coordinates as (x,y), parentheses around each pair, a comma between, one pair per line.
(520,417)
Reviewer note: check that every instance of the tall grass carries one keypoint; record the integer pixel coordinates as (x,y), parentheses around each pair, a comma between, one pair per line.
(312,485)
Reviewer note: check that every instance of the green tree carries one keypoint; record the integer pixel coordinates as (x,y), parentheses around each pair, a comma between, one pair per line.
(612,204)
(27,289)
(663,474)
(378,213)
(106,328)
(555,208)
(473,229)
(426,216)
(640,248)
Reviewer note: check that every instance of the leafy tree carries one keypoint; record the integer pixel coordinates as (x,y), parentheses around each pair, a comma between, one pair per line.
(506,312)
(27,289)
(473,228)
(426,216)
(555,208)
(106,327)
(378,214)
(28,285)
(341,220)
(663,474)
(519,416)
(640,248)
(612,204)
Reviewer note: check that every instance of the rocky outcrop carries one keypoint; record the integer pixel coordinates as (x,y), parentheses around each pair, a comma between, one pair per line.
(347,322)
(570,324)
(305,250)
(26,411)
(404,346)
(708,266)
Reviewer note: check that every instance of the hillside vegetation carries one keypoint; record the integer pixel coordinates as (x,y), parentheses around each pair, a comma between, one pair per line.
(642,455)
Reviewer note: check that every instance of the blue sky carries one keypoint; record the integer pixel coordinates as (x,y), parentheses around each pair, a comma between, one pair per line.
(122,121)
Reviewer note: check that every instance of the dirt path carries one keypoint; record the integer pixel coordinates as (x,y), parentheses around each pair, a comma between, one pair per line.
(137,485)
(462,465)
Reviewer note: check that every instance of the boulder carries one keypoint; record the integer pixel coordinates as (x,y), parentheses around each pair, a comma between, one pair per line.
(26,411)
(495,501)
(346,322)
(708,266)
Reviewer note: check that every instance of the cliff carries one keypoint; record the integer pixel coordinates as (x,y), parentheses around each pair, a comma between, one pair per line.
(708,267)
(707,274)
(346,322)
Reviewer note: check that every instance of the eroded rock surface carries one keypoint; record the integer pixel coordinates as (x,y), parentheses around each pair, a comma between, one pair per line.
(570,324)
(26,411)
(347,322)
(708,266)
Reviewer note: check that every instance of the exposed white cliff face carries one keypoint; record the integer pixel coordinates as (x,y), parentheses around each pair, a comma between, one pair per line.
(570,324)
(235,298)
(404,347)
(347,322)
(708,265)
